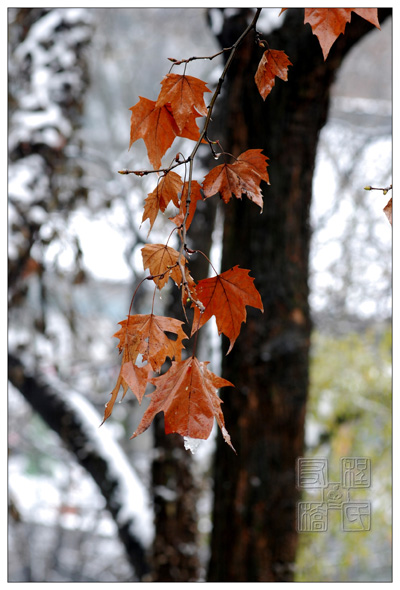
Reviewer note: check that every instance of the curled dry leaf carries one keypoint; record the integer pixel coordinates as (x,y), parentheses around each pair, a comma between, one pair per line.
(153,332)
(242,177)
(163,260)
(114,394)
(273,63)
(168,189)
(155,338)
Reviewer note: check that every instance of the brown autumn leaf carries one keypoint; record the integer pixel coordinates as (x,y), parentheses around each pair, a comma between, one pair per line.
(129,346)
(388,211)
(149,336)
(114,394)
(241,177)
(136,378)
(369,14)
(187,394)
(163,260)
(154,343)
(254,161)
(195,196)
(191,129)
(185,95)
(328,23)
(155,125)
(273,63)
(226,296)
(168,188)
(158,128)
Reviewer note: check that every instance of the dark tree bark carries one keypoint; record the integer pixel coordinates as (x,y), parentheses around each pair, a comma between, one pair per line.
(254,532)
(175,555)
(174,551)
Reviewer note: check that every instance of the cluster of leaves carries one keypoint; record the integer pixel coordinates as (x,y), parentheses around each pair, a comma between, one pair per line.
(187,392)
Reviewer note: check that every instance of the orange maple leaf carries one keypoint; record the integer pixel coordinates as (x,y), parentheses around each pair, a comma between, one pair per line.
(195,196)
(136,378)
(328,23)
(163,260)
(369,14)
(158,128)
(167,190)
(191,129)
(154,343)
(146,335)
(155,125)
(185,95)
(114,394)
(129,347)
(187,394)
(241,177)
(273,63)
(388,211)
(225,296)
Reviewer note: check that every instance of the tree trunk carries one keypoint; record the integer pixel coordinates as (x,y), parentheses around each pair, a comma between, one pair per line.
(254,532)
(175,556)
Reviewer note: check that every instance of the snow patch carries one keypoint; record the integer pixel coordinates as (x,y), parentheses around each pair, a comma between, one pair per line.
(166,493)
(269,20)
(131,495)
(216,20)
(192,444)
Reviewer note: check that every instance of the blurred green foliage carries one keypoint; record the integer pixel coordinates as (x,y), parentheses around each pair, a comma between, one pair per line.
(350,415)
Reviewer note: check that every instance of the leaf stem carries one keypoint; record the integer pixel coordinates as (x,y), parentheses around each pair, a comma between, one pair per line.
(205,256)
(134,295)
(203,134)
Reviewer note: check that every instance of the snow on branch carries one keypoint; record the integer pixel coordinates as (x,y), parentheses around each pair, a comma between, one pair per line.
(77,423)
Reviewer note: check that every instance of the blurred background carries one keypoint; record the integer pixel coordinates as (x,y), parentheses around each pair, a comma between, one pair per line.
(74,239)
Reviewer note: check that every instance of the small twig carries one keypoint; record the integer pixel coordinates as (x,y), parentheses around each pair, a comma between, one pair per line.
(190,251)
(145,172)
(178,62)
(374,188)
